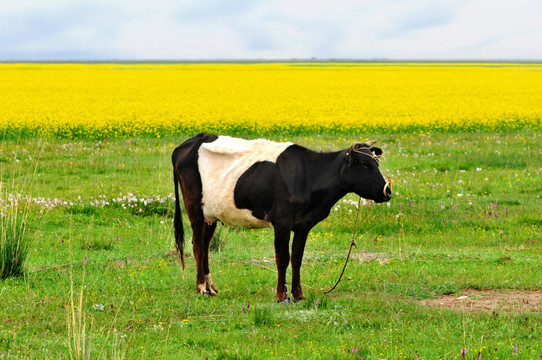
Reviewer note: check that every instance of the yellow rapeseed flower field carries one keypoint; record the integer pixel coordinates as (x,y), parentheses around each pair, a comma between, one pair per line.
(116,100)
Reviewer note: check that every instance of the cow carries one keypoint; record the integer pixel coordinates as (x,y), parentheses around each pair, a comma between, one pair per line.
(260,183)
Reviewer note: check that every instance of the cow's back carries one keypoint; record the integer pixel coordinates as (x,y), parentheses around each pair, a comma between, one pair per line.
(220,164)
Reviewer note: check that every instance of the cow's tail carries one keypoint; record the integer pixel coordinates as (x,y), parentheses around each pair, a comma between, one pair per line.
(178,221)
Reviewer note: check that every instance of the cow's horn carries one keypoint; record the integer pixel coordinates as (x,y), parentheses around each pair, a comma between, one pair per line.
(370,143)
(365,145)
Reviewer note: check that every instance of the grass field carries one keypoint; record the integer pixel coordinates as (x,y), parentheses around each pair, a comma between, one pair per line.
(101,281)
(85,162)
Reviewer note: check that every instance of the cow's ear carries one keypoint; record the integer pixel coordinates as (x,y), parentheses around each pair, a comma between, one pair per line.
(377,151)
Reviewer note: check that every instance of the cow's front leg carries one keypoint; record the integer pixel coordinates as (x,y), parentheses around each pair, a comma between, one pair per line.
(298,247)
(282,258)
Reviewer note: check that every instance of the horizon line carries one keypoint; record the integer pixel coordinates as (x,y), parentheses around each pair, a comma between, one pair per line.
(262,60)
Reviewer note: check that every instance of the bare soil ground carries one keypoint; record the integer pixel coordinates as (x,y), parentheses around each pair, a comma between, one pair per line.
(369,256)
(490,300)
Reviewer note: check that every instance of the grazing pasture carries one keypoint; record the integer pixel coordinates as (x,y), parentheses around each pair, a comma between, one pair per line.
(450,268)
(465,217)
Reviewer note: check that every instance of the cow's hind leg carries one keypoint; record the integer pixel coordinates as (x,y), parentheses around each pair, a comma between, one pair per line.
(202,235)
(208,231)
(198,246)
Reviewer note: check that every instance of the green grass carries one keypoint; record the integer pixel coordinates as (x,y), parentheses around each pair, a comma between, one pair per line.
(14,243)
(466,213)
(14,240)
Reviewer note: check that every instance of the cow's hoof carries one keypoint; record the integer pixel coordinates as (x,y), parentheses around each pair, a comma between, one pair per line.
(298,295)
(206,289)
(209,293)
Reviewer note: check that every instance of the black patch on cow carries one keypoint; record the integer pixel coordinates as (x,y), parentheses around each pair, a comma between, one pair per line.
(255,189)
(187,153)
(186,175)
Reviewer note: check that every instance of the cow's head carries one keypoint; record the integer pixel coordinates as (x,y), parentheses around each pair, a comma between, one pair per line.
(361,175)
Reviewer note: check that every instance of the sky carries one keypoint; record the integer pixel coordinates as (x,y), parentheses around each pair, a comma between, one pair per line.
(271,29)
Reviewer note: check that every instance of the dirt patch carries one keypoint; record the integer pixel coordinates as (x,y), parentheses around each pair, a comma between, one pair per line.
(267,260)
(119,264)
(490,301)
(369,256)
(173,253)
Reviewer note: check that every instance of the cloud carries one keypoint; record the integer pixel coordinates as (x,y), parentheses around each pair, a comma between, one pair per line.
(213,10)
(423,19)
(235,29)
(57,30)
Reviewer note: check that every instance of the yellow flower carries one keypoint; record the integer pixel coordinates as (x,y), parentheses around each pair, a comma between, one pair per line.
(118,100)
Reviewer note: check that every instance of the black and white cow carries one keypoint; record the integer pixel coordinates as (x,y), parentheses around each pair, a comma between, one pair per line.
(260,183)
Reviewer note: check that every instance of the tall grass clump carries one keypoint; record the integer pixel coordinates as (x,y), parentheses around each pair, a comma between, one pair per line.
(79,343)
(14,240)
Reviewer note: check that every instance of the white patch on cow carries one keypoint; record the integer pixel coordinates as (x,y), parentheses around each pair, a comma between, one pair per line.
(220,164)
